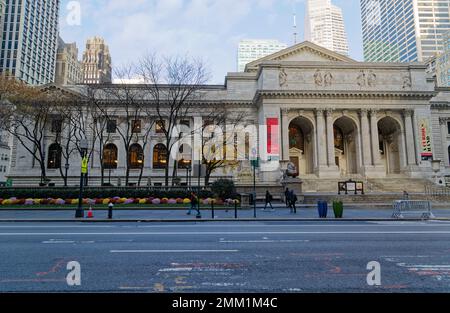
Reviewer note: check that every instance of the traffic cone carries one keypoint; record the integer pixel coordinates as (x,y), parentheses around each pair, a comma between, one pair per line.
(90,213)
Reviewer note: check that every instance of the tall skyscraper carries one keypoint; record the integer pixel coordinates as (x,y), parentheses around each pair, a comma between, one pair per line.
(68,68)
(324,26)
(403,30)
(97,62)
(29,40)
(253,49)
(443,63)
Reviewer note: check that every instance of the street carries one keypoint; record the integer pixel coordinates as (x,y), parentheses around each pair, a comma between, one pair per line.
(226,257)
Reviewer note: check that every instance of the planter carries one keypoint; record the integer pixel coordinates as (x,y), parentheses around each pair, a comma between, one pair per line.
(338,208)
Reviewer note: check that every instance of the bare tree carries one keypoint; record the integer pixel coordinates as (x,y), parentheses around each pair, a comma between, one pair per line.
(214,147)
(173,86)
(28,119)
(129,99)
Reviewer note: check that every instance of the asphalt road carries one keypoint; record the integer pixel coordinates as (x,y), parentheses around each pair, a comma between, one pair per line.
(225,257)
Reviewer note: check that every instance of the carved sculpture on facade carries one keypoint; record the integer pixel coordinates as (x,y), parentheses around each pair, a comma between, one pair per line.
(366,79)
(371,79)
(323,80)
(318,78)
(361,79)
(407,82)
(283,78)
(328,78)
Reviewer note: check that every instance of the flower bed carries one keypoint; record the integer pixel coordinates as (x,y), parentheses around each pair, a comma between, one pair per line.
(29,202)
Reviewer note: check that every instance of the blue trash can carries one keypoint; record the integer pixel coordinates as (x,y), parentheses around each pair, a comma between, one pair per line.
(322,207)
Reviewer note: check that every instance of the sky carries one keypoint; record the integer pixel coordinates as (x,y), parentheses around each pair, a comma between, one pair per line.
(209,30)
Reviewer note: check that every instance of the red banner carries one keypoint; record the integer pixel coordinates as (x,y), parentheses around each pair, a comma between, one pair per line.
(273,145)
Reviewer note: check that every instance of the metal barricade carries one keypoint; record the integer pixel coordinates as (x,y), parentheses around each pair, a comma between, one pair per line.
(403,207)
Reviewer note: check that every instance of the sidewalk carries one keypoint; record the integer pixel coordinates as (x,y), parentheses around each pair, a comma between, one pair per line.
(280,213)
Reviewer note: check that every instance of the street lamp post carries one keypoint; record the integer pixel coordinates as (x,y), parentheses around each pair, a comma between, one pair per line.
(67,170)
(254,163)
(83,146)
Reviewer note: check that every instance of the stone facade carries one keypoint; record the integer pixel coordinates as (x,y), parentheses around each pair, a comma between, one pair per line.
(333,117)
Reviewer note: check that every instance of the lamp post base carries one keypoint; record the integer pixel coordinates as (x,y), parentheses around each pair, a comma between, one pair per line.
(79,213)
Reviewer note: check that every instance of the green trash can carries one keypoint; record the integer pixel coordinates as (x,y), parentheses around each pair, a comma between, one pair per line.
(338,208)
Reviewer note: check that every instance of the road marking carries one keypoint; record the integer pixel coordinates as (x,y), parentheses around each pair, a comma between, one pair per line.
(174,251)
(235,233)
(58,241)
(262,241)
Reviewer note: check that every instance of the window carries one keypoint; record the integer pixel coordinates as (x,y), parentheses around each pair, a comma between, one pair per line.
(136,126)
(54,156)
(56,125)
(159,156)
(136,156)
(160,126)
(111,126)
(110,157)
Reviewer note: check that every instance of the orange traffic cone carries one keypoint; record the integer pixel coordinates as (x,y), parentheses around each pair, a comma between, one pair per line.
(90,213)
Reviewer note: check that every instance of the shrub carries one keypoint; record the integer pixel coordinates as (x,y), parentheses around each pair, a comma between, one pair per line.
(224,188)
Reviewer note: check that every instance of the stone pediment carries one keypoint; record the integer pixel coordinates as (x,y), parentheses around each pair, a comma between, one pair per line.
(302,52)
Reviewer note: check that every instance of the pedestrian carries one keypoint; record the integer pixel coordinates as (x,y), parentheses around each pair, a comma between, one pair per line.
(293,202)
(268,201)
(194,204)
(286,197)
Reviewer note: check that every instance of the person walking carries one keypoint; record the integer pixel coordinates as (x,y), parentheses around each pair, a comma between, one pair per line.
(293,202)
(286,197)
(268,201)
(194,204)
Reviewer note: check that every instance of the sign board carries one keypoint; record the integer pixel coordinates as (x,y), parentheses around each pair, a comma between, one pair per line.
(273,129)
(425,140)
(84,165)
(9,182)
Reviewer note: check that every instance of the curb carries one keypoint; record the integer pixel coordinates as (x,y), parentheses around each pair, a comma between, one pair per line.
(216,220)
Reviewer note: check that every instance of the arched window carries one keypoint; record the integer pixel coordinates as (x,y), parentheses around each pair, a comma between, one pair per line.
(184,157)
(136,156)
(54,156)
(159,156)
(110,159)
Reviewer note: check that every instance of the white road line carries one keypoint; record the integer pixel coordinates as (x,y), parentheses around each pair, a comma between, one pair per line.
(174,251)
(234,233)
(262,241)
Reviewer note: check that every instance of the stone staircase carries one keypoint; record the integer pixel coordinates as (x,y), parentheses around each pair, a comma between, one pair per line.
(381,185)
(398,184)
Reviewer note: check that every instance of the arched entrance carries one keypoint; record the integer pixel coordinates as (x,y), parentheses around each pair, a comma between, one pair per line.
(390,144)
(301,145)
(345,145)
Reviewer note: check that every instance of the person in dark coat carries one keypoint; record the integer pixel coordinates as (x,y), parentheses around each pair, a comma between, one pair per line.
(286,198)
(293,202)
(268,201)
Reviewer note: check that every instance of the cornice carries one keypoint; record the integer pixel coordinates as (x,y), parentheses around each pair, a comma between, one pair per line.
(290,94)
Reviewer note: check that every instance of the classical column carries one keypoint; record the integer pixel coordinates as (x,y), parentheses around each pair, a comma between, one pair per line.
(330,139)
(409,134)
(365,138)
(440,146)
(321,139)
(375,138)
(285,133)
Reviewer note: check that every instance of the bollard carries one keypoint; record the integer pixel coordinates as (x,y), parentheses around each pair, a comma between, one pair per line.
(212,210)
(110,210)
(235,209)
